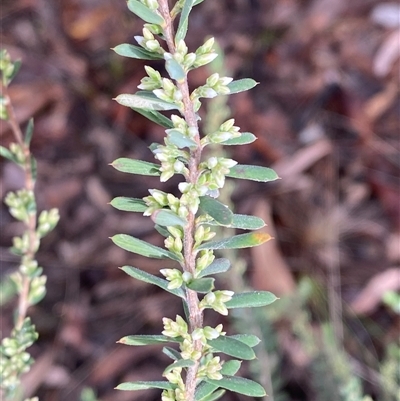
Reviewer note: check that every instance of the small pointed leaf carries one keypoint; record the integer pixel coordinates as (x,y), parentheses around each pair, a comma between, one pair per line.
(239,385)
(250,339)
(254,173)
(244,139)
(174,69)
(251,299)
(167,218)
(145,340)
(144,100)
(217,210)
(217,266)
(139,167)
(180,140)
(231,346)
(129,204)
(132,386)
(202,285)
(183,21)
(145,13)
(151,279)
(182,363)
(4,152)
(172,353)
(237,241)
(141,247)
(155,117)
(242,85)
(28,132)
(127,50)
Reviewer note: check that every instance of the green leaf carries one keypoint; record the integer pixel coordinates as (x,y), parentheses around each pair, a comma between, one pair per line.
(231,346)
(239,385)
(250,339)
(174,69)
(33,168)
(197,2)
(214,396)
(217,210)
(136,245)
(155,117)
(28,132)
(205,389)
(244,139)
(183,21)
(182,363)
(129,204)
(132,386)
(161,230)
(145,340)
(139,167)
(144,100)
(145,13)
(242,85)
(127,50)
(202,285)
(180,140)
(16,67)
(237,241)
(4,152)
(166,218)
(252,299)
(242,222)
(150,279)
(217,266)
(172,353)
(254,173)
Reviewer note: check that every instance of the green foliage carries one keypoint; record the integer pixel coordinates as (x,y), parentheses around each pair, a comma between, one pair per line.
(187,221)
(27,282)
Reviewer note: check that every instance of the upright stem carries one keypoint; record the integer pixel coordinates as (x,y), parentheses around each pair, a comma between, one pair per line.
(195,313)
(23,303)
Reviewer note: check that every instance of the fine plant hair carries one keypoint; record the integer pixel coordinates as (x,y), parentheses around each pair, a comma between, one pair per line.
(27,282)
(188,222)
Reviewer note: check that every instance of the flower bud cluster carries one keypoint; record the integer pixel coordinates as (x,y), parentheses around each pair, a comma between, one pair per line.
(203,234)
(149,42)
(14,361)
(216,300)
(18,153)
(169,92)
(211,368)
(214,170)
(204,260)
(205,54)
(152,4)
(181,55)
(178,394)
(8,68)
(225,132)
(152,81)
(174,242)
(21,204)
(22,245)
(48,219)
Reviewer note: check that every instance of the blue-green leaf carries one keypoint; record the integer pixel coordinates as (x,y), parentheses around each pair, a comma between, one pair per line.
(172,353)
(180,140)
(183,21)
(244,139)
(28,132)
(237,241)
(144,100)
(167,218)
(242,222)
(181,363)
(251,299)
(202,285)
(127,50)
(139,167)
(150,279)
(129,204)
(174,69)
(142,385)
(145,13)
(217,210)
(214,396)
(136,245)
(250,339)
(217,266)
(155,117)
(254,173)
(239,385)
(145,340)
(242,85)
(231,346)
(4,152)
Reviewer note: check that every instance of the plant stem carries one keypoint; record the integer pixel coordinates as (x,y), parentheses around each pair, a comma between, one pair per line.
(23,302)
(195,313)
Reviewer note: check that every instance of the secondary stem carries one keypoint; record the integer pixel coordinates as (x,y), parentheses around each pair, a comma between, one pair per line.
(195,313)
(23,302)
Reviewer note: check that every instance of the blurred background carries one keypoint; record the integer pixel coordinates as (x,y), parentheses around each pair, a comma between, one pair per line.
(326,113)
